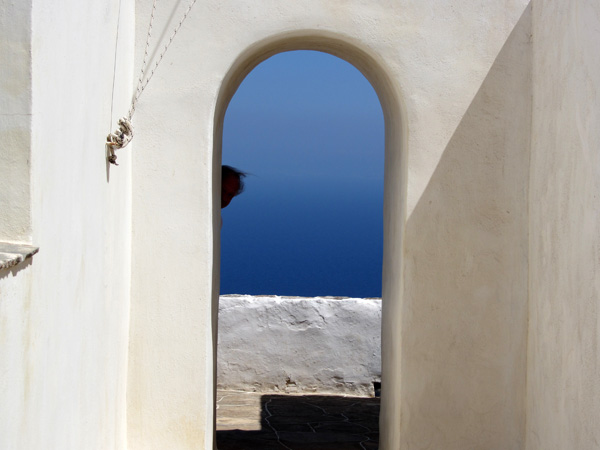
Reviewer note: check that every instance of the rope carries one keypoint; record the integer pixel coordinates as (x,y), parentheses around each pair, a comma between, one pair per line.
(112,95)
(139,89)
(124,134)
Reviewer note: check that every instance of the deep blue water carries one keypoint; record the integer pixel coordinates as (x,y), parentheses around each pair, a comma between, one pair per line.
(304,237)
(309,126)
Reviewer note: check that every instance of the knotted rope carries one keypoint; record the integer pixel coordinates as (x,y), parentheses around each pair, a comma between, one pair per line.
(124,134)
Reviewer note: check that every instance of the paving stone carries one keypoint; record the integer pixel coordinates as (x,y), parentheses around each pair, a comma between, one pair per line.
(318,437)
(328,446)
(296,422)
(304,427)
(340,427)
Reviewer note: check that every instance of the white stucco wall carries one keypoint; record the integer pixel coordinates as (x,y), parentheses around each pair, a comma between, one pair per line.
(15,120)
(491,216)
(563,402)
(15,214)
(64,315)
(464,321)
(295,344)
(455,277)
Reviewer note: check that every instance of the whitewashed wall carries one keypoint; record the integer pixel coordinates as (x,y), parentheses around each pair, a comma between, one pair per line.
(64,315)
(491,216)
(296,345)
(457,110)
(15,121)
(15,215)
(464,317)
(563,401)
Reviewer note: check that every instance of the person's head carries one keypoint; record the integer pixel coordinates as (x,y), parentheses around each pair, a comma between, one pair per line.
(232,184)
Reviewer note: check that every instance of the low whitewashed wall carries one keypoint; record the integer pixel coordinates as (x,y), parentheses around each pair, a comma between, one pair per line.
(296,344)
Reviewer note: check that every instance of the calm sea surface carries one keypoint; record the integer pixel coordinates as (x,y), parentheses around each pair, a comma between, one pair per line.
(305,238)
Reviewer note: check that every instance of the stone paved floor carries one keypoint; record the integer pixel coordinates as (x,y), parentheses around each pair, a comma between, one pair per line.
(247,421)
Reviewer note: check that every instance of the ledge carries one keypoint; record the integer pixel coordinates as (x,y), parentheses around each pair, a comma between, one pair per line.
(12,254)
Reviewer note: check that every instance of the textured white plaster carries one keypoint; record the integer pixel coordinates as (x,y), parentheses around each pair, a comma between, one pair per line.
(464,321)
(293,344)
(16,362)
(427,62)
(491,214)
(64,313)
(15,120)
(563,401)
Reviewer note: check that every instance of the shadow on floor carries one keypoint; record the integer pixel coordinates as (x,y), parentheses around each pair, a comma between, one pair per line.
(297,422)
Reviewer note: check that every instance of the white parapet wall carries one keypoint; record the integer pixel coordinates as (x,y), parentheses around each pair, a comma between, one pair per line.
(299,344)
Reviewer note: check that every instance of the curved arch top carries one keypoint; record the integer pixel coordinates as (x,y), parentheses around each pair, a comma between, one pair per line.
(368,63)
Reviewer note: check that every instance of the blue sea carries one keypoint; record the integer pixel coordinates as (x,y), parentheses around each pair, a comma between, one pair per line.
(309,127)
(304,237)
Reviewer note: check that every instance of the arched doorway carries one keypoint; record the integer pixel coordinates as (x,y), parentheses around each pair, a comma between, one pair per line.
(394,194)
(301,254)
